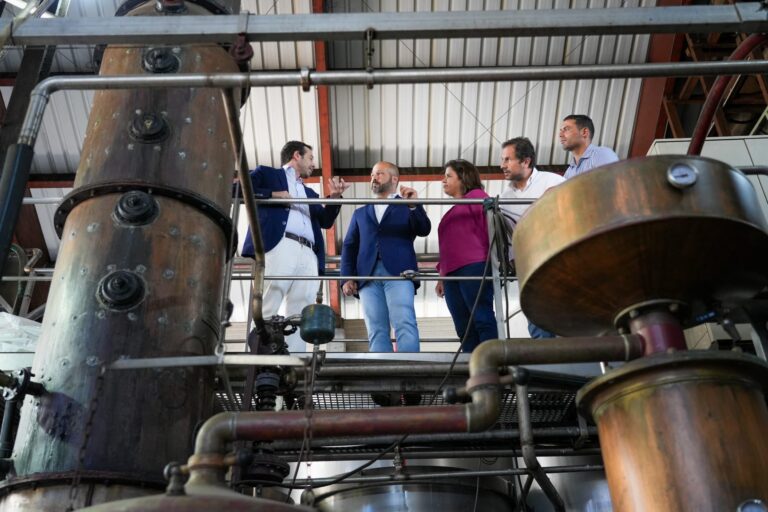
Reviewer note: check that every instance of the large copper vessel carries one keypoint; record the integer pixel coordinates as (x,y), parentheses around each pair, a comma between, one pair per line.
(665,230)
(139,274)
(683,432)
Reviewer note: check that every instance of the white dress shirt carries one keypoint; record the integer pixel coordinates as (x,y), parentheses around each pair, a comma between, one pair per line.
(299,220)
(382,208)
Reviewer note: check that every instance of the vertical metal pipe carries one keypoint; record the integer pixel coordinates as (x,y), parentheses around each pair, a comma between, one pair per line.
(6,446)
(715,95)
(13,183)
(251,210)
(501,323)
(529,452)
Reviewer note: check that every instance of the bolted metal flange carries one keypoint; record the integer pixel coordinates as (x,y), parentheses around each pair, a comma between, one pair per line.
(149,127)
(121,290)
(136,208)
(160,60)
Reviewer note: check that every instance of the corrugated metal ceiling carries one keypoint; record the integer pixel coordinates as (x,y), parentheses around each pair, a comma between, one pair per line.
(427,124)
(412,125)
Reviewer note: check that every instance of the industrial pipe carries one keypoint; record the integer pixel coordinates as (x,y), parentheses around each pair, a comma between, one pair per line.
(251,210)
(6,444)
(492,436)
(208,462)
(555,350)
(307,78)
(715,96)
(13,183)
(739,17)
(356,454)
(529,452)
(404,478)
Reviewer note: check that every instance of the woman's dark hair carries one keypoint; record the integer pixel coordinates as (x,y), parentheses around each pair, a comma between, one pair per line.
(467,173)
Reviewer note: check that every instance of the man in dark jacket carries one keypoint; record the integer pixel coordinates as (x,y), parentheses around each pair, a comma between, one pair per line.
(379,242)
(293,241)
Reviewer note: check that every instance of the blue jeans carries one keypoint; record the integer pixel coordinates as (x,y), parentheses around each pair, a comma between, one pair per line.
(537,332)
(460,297)
(385,303)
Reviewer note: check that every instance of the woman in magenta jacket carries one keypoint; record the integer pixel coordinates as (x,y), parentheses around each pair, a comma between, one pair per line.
(464,245)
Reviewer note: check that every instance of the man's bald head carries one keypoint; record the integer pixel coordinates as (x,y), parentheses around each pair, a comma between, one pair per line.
(384,178)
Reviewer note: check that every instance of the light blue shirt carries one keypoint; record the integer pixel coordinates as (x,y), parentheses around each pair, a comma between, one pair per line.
(594,156)
(299,222)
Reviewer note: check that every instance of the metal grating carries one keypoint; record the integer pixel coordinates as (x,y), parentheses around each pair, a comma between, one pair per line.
(547,408)
(550,408)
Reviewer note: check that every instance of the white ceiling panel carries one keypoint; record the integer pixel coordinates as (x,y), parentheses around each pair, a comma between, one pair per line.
(471,120)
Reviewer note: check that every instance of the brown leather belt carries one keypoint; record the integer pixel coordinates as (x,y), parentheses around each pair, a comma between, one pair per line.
(300,239)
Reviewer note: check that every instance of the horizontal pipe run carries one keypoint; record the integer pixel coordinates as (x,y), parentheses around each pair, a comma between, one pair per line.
(340,201)
(390,370)
(741,17)
(227,427)
(306,78)
(248,277)
(749,171)
(338,456)
(405,478)
(420,277)
(190,361)
(557,350)
(759,170)
(502,436)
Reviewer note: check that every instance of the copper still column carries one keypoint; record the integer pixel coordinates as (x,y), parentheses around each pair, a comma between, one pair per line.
(144,239)
(683,432)
(645,244)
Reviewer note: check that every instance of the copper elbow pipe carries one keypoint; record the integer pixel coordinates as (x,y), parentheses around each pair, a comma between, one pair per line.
(480,414)
(227,427)
(483,383)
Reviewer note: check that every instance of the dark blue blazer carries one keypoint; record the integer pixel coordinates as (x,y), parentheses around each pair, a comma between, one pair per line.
(393,239)
(273,218)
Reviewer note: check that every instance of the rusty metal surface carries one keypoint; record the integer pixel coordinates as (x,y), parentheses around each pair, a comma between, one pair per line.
(683,432)
(179,257)
(623,235)
(131,284)
(197,153)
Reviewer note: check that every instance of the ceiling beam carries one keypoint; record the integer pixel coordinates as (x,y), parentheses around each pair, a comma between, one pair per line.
(326,151)
(740,17)
(651,121)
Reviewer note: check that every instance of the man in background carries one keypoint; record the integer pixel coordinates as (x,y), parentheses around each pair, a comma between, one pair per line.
(379,242)
(576,134)
(518,163)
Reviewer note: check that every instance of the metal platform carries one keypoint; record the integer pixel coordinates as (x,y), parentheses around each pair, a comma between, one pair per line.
(364,380)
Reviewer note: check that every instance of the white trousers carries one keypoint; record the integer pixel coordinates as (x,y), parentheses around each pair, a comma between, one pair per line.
(290,258)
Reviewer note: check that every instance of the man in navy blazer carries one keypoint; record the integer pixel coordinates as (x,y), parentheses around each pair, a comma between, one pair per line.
(291,233)
(379,242)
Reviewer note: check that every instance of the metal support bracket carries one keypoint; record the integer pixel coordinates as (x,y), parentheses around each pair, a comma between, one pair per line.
(369,49)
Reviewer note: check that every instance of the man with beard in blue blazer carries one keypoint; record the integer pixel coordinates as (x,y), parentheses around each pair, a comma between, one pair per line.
(293,241)
(379,242)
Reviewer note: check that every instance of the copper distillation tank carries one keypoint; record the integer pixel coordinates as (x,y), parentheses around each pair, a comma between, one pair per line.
(145,236)
(641,246)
